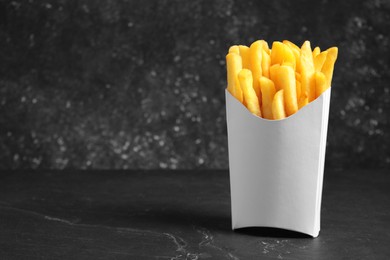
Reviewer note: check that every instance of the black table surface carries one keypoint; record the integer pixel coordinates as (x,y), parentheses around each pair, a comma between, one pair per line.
(179,215)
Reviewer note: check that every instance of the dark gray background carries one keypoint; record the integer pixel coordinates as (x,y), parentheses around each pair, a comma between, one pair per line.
(140,84)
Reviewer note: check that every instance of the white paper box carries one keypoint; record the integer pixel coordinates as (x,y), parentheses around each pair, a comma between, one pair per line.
(277,166)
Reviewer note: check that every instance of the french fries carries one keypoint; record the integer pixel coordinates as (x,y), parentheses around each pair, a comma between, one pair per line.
(267,87)
(316,51)
(278,105)
(275,83)
(265,63)
(287,80)
(328,66)
(320,82)
(307,71)
(319,60)
(234,49)
(250,97)
(255,58)
(244,53)
(234,66)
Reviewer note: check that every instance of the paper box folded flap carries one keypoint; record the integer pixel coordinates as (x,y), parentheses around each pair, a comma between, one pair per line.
(276,166)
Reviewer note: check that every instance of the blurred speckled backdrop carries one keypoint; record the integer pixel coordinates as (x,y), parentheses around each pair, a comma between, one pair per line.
(140,84)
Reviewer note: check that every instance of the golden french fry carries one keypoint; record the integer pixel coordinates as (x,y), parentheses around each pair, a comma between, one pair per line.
(277,53)
(238,91)
(289,57)
(302,96)
(307,71)
(297,53)
(281,53)
(328,66)
(321,85)
(292,46)
(287,80)
(244,53)
(316,51)
(319,60)
(278,106)
(255,58)
(273,74)
(264,45)
(234,49)
(265,63)
(267,94)
(233,66)
(250,97)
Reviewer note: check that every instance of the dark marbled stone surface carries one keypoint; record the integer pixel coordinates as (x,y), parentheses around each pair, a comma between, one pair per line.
(178,215)
(125,84)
